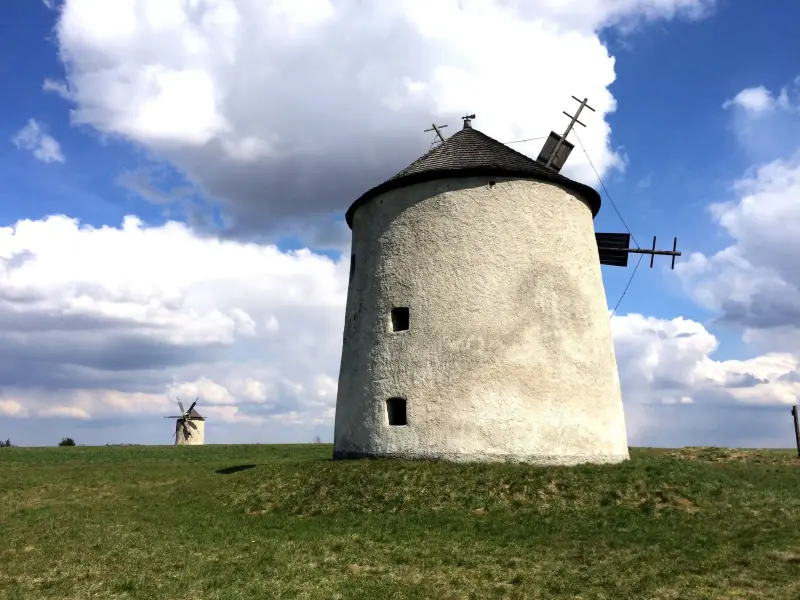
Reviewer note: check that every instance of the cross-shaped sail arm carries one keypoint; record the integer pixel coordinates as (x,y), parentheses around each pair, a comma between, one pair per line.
(615,247)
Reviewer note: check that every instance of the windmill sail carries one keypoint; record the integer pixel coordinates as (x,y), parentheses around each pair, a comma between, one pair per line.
(613,248)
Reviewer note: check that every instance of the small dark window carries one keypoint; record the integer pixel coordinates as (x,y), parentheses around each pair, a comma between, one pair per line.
(397,411)
(352,265)
(400,318)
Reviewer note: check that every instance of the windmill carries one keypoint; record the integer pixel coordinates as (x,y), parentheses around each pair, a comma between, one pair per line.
(522,262)
(189,427)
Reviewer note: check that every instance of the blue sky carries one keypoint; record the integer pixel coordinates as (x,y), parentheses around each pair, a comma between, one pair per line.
(671,83)
(682,152)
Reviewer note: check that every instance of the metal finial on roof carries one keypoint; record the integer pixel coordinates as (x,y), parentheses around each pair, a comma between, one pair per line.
(468,121)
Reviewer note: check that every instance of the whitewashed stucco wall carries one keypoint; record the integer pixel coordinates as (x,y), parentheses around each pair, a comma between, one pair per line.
(197,437)
(509,353)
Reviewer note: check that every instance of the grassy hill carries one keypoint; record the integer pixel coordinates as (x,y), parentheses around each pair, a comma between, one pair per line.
(231,522)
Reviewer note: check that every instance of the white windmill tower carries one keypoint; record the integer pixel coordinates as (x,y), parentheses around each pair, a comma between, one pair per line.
(189,427)
(476,325)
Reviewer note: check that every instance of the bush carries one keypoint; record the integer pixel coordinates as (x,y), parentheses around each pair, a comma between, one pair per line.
(6,444)
(66,442)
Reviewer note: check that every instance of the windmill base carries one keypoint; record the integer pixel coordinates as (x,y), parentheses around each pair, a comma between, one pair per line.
(534,459)
(197,437)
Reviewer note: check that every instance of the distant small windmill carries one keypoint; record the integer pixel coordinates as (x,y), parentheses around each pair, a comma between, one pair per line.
(189,427)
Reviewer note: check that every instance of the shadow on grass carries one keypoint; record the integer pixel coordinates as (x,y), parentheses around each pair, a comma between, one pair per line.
(235,469)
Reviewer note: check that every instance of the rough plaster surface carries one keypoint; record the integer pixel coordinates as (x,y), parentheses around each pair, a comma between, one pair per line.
(197,437)
(509,355)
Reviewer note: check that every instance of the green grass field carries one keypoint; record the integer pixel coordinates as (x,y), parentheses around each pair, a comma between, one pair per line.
(213,522)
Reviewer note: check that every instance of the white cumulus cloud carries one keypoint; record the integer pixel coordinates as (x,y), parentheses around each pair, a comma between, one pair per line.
(286,111)
(767,123)
(671,361)
(759,99)
(43,146)
(676,393)
(754,282)
(117,320)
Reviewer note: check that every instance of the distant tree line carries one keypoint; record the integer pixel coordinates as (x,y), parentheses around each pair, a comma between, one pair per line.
(67,441)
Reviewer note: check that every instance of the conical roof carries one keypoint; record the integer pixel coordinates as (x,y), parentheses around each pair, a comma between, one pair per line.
(194,415)
(470,153)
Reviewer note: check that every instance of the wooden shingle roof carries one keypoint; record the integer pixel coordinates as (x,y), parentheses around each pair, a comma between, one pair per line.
(471,153)
(195,416)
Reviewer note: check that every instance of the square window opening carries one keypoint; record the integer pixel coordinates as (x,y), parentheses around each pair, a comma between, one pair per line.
(396,408)
(400,318)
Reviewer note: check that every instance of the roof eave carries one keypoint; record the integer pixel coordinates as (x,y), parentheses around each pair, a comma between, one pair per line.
(586,193)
